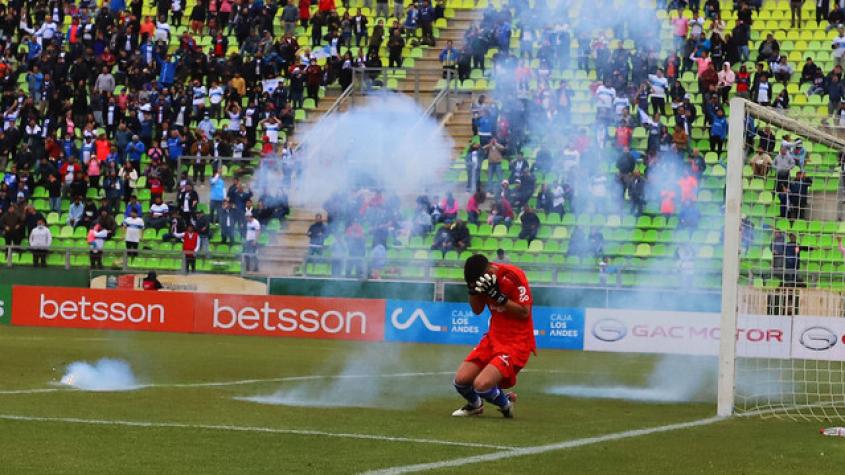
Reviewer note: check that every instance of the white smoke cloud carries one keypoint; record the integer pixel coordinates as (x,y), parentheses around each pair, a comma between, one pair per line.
(104,375)
(677,378)
(387,143)
(377,376)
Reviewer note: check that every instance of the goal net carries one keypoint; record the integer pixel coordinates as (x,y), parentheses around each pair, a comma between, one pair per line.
(783,287)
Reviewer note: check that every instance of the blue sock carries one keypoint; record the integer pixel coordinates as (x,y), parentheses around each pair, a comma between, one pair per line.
(495,396)
(468,393)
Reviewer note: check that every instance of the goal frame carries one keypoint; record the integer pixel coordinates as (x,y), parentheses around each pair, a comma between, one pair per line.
(740,109)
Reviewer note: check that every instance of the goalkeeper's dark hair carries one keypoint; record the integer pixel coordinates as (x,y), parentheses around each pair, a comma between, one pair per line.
(474,267)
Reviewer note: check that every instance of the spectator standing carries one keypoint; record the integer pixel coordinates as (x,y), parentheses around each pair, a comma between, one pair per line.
(395,44)
(718,132)
(40,240)
(203,227)
(190,246)
(54,191)
(784,163)
(13,225)
(316,236)
(134,228)
(290,13)
(96,241)
(227,220)
(494,151)
(472,161)
(448,57)
(253,229)
(795,13)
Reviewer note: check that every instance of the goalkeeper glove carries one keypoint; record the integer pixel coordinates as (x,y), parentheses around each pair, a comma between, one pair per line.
(486,284)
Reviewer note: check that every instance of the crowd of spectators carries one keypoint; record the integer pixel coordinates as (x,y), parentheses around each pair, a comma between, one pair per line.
(100,101)
(634,88)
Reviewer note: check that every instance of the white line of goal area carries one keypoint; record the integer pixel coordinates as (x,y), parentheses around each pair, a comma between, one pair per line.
(229,428)
(245,382)
(540,449)
(239,382)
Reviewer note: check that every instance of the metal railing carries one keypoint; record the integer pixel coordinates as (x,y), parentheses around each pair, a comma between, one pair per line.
(122,259)
(360,267)
(335,107)
(369,80)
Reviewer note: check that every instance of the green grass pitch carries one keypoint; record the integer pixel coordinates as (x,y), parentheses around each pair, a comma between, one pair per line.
(191,427)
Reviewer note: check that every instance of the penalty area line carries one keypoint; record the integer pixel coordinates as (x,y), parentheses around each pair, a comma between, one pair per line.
(230,428)
(222,384)
(283,379)
(539,449)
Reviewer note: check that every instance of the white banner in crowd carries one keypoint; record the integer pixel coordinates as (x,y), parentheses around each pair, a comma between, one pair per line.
(688,333)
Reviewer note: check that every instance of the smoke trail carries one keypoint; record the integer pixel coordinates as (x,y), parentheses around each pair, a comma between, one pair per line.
(358,384)
(104,375)
(678,378)
(674,379)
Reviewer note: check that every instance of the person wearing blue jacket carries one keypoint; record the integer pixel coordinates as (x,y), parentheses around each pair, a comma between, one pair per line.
(167,73)
(117,6)
(485,127)
(134,150)
(217,194)
(718,132)
(412,18)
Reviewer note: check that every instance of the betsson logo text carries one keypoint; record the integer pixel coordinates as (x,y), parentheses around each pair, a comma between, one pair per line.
(84,309)
(271,319)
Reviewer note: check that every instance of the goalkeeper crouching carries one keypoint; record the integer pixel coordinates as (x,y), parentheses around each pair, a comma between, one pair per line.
(492,366)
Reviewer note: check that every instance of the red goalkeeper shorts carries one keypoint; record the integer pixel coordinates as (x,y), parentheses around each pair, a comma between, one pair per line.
(508,361)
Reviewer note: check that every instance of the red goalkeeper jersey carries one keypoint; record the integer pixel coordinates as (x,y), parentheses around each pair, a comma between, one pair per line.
(509,331)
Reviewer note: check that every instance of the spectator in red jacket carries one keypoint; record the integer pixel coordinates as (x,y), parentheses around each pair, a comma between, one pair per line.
(190,247)
(304,12)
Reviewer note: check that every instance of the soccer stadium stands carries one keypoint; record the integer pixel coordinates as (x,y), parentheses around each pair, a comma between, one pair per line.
(532,61)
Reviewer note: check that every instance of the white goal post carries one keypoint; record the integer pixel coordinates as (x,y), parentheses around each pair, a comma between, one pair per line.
(782,266)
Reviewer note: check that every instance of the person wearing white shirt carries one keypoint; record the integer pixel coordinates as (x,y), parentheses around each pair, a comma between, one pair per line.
(215,95)
(176,9)
(207,126)
(159,213)
(839,47)
(40,240)
(134,228)
(605,95)
(763,92)
(571,159)
(558,199)
(46,32)
(238,149)
(253,229)
(162,30)
(199,93)
(659,85)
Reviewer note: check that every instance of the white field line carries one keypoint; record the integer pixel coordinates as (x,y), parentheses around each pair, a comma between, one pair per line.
(240,382)
(30,391)
(539,449)
(43,338)
(245,382)
(267,430)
